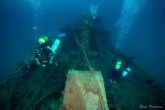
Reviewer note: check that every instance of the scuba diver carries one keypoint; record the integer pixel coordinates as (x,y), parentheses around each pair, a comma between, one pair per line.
(91,18)
(43,51)
(93,13)
(93,10)
(120,69)
(46,50)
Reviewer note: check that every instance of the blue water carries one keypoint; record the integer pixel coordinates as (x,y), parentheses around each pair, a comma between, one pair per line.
(137,28)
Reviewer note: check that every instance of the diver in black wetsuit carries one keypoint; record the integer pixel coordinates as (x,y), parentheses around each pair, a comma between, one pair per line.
(43,51)
(120,69)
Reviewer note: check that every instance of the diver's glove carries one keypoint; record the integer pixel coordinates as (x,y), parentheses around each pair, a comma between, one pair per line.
(48,47)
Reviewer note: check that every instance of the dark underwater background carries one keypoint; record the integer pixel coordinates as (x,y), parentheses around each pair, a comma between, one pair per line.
(137,28)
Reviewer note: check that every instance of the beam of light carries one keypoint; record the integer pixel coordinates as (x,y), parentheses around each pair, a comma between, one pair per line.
(126,20)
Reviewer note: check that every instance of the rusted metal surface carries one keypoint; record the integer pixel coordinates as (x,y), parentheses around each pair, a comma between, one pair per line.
(85,91)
